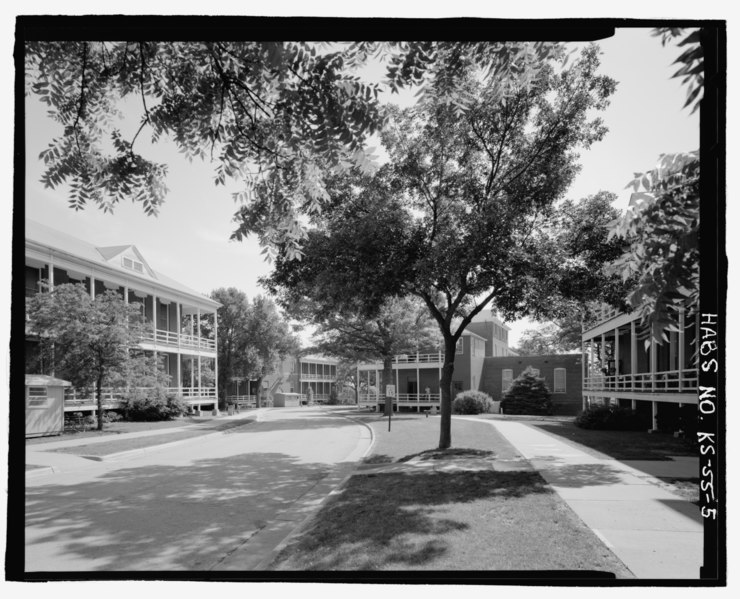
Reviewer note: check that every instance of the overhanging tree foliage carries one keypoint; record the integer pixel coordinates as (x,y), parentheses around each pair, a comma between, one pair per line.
(88,340)
(662,224)
(278,117)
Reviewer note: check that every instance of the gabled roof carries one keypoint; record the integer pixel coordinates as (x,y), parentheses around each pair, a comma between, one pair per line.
(128,251)
(104,256)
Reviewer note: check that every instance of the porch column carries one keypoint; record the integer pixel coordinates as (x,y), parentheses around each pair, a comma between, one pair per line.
(583,372)
(197,324)
(654,413)
(50,266)
(125,294)
(397,405)
(616,352)
(653,357)
(92,287)
(357,382)
(633,354)
(681,348)
(154,316)
(215,360)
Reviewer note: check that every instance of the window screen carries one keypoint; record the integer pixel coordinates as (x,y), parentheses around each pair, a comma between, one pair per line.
(37,397)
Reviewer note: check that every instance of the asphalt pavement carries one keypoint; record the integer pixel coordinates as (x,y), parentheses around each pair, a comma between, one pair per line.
(221,501)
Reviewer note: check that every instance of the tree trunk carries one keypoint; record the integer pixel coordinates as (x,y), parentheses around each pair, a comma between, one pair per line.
(99,394)
(388,380)
(259,392)
(445,388)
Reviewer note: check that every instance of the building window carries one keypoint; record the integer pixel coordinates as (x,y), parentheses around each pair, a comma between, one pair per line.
(37,397)
(460,348)
(559,381)
(507,376)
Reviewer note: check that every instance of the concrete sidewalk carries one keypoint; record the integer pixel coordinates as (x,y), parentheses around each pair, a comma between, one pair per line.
(656,533)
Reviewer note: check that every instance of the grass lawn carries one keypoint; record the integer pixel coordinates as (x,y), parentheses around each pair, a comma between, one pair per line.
(620,445)
(128,444)
(397,516)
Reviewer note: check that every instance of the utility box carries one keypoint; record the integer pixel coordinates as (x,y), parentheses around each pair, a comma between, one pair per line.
(286,400)
(44,405)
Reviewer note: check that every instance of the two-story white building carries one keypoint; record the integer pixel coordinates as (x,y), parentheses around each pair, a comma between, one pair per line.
(182,323)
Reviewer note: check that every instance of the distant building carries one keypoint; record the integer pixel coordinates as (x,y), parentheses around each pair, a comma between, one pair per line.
(417,374)
(175,314)
(618,369)
(562,374)
(293,375)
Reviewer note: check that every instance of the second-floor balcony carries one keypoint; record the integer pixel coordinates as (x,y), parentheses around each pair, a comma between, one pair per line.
(409,360)
(305,376)
(174,339)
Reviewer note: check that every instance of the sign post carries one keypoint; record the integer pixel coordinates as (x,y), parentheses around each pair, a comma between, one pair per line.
(390,391)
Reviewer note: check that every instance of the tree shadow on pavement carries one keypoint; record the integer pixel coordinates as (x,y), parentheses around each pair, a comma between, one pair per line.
(398,519)
(288,424)
(162,517)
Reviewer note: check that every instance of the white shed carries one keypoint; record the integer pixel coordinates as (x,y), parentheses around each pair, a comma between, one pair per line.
(44,405)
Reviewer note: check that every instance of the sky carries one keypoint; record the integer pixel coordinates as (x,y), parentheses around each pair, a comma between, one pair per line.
(189,239)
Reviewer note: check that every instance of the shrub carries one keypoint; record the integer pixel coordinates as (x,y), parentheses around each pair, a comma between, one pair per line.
(111,416)
(528,394)
(611,418)
(333,397)
(472,402)
(153,404)
(671,418)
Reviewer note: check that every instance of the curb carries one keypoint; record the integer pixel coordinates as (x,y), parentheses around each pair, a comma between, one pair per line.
(112,457)
(304,524)
(39,471)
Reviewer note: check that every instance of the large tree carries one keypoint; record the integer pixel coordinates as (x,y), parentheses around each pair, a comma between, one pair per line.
(233,341)
(463,216)
(270,341)
(400,325)
(277,117)
(88,340)
(480,180)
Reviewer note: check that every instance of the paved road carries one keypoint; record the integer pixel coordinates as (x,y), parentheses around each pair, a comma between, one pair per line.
(220,502)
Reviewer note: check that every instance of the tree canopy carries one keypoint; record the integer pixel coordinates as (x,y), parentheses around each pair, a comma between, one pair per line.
(277,117)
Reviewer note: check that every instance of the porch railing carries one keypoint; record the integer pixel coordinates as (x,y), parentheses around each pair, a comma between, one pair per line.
(113,396)
(402,399)
(667,381)
(317,377)
(418,358)
(173,338)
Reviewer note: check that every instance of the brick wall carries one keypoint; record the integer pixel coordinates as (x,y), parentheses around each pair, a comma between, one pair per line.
(566,403)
